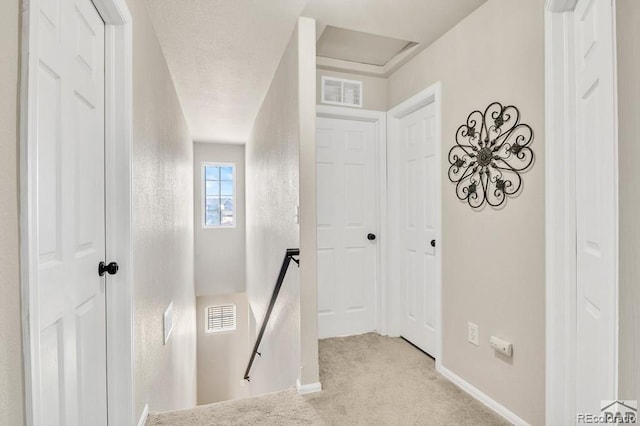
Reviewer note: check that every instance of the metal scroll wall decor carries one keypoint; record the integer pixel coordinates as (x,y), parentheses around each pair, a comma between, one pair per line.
(492,150)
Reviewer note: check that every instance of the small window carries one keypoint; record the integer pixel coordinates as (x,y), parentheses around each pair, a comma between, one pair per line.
(218,194)
(220,318)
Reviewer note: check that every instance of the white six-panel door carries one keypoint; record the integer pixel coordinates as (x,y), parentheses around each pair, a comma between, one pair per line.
(596,189)
(417,214)
(347,213)
(69,343)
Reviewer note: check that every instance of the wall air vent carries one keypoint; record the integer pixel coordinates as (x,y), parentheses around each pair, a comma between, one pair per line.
(338,91)
(220,318)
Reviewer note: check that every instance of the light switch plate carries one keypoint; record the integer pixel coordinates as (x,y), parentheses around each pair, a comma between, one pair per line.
(472,334)
(168,322)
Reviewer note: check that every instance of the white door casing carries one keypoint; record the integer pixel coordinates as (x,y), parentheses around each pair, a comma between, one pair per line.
(425,328)
(596,206)
(347,213)
(418,226)
(580,66)
(72,63)
(70,187)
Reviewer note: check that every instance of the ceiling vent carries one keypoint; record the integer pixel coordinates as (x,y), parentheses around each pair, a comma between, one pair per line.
(338,91)
(220,318)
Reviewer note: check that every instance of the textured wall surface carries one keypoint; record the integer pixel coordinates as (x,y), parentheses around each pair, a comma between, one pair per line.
(628,21)
(493,260)
(309,369)
(272,196)
(11,388)
(374,89)
(279,142)
(165,376)
(219,252)
(222,357)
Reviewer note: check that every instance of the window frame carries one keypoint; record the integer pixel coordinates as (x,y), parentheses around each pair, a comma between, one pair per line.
(203,195)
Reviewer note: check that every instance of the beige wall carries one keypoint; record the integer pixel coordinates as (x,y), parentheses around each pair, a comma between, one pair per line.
(374,89)
(222,357)
(493,260)
(11,389)
(165,376)
(219,252)
(628,21)
(272,189)
(309,369)
(273,162)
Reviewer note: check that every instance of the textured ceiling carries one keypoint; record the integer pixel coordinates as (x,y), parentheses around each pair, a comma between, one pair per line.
(222,54)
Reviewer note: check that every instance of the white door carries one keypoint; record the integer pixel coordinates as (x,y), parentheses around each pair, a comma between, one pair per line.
(347,214)
(69,344)
(596,168)
(417,214)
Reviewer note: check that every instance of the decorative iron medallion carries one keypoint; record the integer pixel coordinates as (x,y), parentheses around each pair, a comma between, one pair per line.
(491,151)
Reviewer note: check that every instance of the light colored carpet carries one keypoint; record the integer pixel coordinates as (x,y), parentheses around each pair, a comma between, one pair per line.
(281,408)
(375,380)
(367,380)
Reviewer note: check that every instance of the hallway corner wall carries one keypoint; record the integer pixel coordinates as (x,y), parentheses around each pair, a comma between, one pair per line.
(493,271)
(165,375)
(11,373)
(309,364)
(276,153)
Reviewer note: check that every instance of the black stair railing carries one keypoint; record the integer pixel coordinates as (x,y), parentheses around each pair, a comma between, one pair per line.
(288,257)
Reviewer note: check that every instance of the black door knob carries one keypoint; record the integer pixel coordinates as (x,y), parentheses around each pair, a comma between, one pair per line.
(371,237)
(433,243)
(111,268)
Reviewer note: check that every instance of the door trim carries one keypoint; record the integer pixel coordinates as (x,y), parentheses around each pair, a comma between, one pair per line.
(379,119)
(432,94)
(560,183)
(118,154)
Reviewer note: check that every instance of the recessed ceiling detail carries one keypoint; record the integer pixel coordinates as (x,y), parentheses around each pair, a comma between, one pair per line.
(356,46)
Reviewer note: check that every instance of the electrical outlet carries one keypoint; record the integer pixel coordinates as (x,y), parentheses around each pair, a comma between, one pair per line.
(472,334)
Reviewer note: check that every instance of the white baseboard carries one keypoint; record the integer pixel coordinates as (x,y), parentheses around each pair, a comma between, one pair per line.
(310,388)
(144,415)
(481,396)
